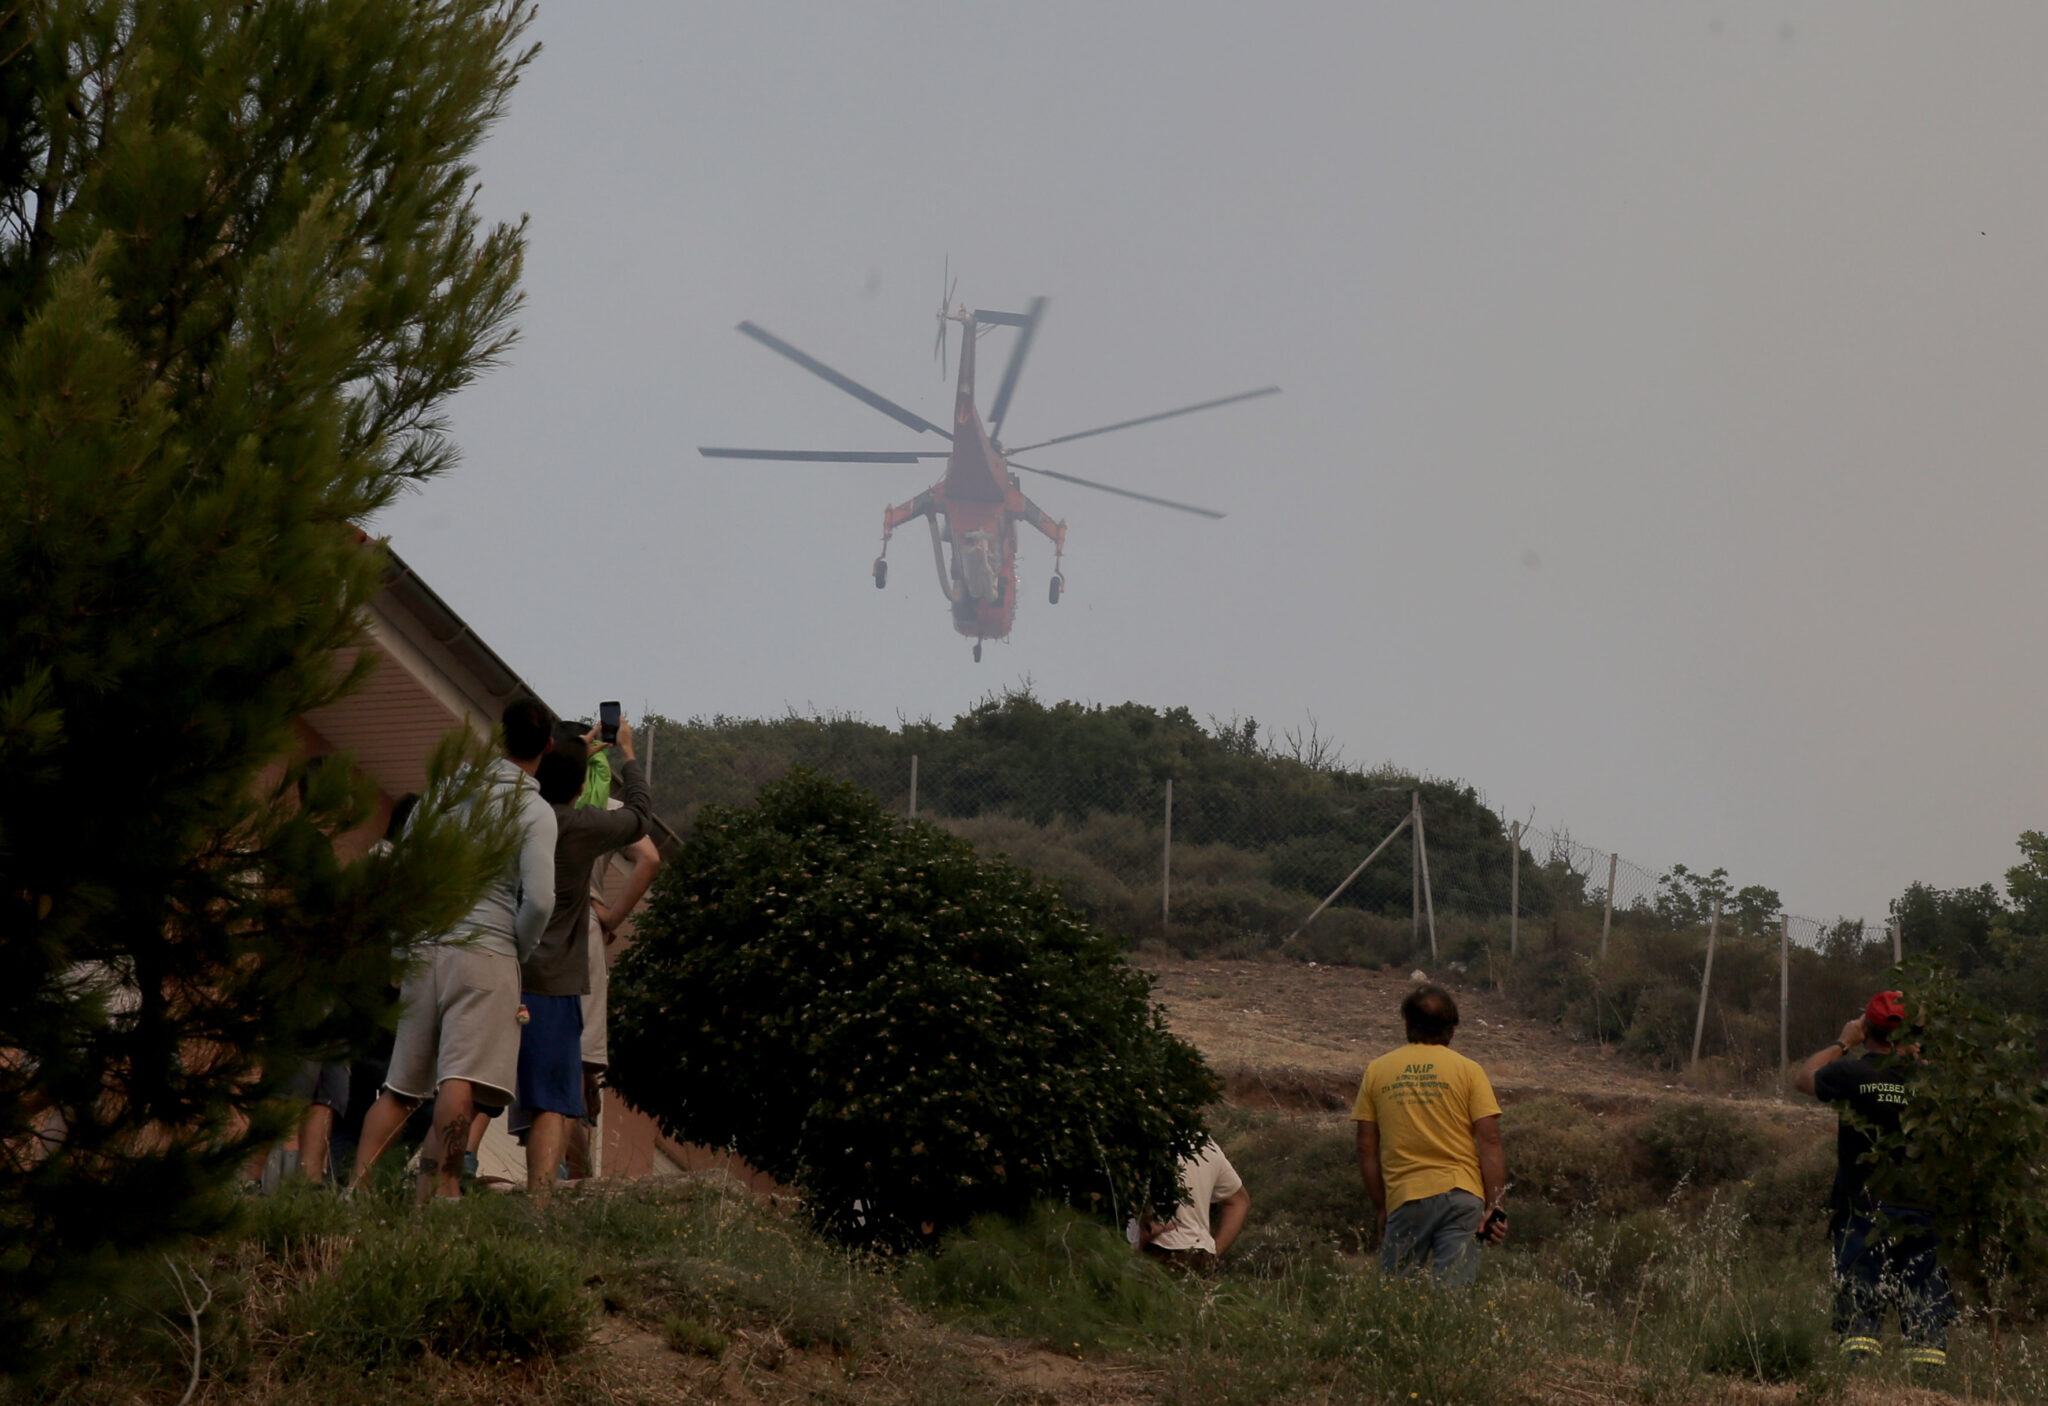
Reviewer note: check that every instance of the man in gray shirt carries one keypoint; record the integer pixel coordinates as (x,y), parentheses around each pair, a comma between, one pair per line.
(458,1034)
(555,976)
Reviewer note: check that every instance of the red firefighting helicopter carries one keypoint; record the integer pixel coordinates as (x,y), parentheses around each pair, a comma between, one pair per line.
(976,506)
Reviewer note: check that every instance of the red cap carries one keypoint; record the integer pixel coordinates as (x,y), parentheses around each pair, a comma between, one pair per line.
(1886,1011)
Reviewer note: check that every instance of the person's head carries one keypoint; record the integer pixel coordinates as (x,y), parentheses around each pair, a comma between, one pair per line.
(1883,1019)
(527,726)
(1430,1015)
(562,771)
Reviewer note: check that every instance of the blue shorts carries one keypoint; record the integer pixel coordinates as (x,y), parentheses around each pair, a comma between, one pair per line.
(551,1055)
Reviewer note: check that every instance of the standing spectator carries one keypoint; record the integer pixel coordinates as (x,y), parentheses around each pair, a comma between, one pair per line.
(1886,1251)
(556,974)
(1429,1148)
(458,1035)
(1186,1242)
(626,874)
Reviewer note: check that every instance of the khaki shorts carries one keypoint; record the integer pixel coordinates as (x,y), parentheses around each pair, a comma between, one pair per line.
(596,1048)
(461,1021)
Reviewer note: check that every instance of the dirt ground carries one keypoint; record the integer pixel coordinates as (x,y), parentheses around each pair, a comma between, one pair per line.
(1298,1036)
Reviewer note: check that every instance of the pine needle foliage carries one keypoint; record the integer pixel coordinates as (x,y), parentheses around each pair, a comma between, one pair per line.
(241,271)
(907,1032)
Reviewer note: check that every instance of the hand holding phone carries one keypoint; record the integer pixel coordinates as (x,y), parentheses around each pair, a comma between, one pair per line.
(1493,1229)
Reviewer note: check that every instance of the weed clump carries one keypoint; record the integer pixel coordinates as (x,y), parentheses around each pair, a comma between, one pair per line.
(1701,1144)
(1780,1351)
(419,1289)
(1053,1275)
(692,1335)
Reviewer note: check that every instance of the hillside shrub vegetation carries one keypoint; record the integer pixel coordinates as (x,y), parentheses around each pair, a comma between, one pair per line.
(699,1286)
(1263,831)
(907,1031)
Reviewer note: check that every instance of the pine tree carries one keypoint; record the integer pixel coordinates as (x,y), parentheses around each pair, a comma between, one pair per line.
(241,272)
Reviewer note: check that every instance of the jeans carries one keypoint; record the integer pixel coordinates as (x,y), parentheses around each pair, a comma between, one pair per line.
(1884,1261)
(1439,1231)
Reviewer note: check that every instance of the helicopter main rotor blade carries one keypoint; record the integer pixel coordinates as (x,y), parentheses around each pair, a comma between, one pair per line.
(1148,419)
(1027,326)
(817,456)
(1120,492)
(846,383)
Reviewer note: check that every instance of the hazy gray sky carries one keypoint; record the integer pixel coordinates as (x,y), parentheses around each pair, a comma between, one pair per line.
(1659,442)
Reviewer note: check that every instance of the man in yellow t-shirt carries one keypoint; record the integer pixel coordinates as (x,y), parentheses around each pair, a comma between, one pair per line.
(1429,1148)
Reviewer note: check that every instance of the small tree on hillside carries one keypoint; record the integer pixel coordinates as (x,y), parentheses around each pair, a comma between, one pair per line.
(240,275)
(907,1032)
(1973,1144)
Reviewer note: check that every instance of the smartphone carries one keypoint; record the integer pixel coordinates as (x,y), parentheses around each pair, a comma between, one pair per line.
(1493,1218)
(608,721)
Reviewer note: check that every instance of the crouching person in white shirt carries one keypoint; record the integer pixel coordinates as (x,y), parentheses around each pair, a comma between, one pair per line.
(1187,1242)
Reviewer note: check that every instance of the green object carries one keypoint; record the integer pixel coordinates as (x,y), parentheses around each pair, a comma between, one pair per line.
(597,786)
(253,277)
(906,1031)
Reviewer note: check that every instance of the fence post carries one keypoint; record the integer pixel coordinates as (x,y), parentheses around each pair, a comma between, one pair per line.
(1166,862)
(1428,903)
(1415,873)
(1406,821)
(647,762)
(1515,888)
(1607,919)
(1898,941)
(1784,999)
(1699,1025)
(913,785)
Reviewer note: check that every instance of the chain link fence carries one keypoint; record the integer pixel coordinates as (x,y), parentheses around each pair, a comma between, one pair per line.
(1373,869)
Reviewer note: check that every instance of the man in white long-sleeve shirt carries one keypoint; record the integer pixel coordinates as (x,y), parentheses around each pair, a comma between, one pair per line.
(458,1034)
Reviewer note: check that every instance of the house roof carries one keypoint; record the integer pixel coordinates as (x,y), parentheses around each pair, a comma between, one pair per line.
(430,672)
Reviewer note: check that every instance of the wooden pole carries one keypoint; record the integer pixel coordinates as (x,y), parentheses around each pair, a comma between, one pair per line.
(1784,1001)
(1428,903)
(1898,941)
(1607,919)
(913,785)
(1166,862)
(647,762)
(1514,888)
(1699,1025)
(1406,821)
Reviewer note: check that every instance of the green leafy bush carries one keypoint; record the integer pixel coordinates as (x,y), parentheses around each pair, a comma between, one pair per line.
(908,1032)
(1973,1140)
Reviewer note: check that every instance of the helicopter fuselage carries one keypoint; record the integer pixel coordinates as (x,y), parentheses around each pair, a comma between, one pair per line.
(974,511)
